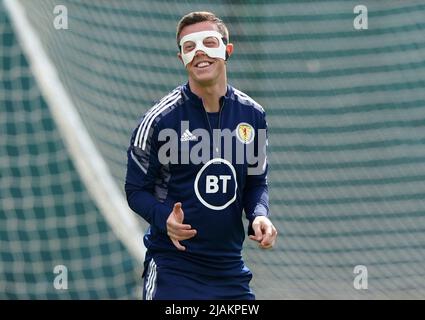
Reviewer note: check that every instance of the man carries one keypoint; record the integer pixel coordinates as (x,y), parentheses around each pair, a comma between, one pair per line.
(191,182)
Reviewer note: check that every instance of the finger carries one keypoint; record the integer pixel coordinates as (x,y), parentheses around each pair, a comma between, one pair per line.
(268,236)
(267,242)
(178,226)
(181,238)
(182,235)
(178,212)
(253,238)
(178,245)
(269,246)
(257,231)
(177,206)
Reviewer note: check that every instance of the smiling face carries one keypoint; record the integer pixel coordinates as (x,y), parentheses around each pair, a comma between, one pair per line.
(203,69)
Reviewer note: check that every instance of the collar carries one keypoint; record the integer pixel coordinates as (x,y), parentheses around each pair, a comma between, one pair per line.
(197,101)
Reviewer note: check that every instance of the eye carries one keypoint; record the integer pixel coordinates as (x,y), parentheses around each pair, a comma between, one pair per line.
(188,46)
(211,42)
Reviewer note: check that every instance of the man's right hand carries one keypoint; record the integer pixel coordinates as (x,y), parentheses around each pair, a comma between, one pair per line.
(176,230)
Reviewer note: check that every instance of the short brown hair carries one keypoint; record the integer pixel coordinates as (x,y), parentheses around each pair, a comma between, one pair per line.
(201,16)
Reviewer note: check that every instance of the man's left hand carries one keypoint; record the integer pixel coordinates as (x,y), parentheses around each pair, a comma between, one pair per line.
(265,232)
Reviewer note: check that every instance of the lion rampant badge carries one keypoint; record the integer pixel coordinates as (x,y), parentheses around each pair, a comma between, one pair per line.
(245,132)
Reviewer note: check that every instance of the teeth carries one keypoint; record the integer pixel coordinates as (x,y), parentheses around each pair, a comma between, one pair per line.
(203,64)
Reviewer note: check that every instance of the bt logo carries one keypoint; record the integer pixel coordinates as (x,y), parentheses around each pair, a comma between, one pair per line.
(212,183)
(215,184)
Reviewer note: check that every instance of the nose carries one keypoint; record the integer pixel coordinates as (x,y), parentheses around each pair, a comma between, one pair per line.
(199,52)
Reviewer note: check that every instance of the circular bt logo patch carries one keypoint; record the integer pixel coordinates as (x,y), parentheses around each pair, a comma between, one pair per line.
(215,184)
(245,132)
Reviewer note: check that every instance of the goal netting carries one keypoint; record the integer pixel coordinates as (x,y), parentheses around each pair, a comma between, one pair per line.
(346,115)
(49,221)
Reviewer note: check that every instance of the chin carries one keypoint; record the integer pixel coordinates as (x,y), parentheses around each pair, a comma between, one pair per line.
(205,81)
(204,78)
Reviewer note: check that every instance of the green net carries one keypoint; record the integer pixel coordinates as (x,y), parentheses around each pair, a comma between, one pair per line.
(346,114)
(47,218)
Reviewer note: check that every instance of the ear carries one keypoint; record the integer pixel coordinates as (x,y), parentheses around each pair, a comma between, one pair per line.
(179,55)
(229,50)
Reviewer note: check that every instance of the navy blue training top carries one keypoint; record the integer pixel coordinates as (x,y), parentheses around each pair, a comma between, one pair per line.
(214,192)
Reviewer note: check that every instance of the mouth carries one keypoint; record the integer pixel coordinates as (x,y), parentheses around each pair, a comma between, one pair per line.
(203,64)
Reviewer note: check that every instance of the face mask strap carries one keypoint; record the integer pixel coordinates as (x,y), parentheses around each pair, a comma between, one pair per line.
(225,45)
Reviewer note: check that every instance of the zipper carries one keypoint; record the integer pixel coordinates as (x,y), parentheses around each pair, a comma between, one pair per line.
(219,119)
(219,122)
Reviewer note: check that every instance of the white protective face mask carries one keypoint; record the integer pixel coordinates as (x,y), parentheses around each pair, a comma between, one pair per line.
(198,39)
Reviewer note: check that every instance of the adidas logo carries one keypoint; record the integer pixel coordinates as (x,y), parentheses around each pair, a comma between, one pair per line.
(188,136)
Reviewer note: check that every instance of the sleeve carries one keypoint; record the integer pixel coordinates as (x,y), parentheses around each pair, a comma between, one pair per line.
(256,195)
(143,168)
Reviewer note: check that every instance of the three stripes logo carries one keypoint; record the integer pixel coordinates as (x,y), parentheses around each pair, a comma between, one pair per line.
(150,285)
(143,131)
(188,136)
